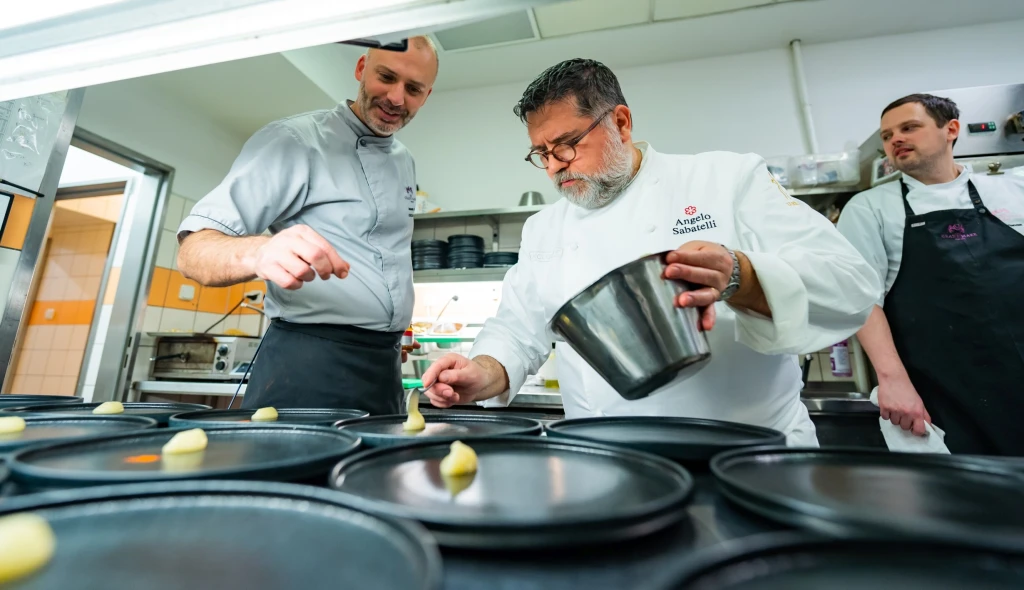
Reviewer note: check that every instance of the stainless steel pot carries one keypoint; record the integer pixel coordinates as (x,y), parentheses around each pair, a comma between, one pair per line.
(627,327)
(530,199)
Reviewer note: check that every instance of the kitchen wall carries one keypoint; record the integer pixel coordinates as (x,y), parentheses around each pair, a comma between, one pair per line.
(469,147)
(61,312)
(177,304)
(136,115)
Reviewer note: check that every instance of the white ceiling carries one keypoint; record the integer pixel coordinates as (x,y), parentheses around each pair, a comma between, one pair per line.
(246,94)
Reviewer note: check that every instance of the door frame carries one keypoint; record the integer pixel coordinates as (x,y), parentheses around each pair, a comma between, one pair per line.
(14,314)
(142,216)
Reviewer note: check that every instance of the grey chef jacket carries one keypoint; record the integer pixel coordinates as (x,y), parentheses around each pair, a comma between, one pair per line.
(327,170)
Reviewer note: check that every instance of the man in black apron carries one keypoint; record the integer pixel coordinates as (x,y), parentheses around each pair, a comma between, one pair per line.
(956,306)
(336,191)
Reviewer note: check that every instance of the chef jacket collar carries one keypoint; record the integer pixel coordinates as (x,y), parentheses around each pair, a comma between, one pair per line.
(366,136)
(965,172)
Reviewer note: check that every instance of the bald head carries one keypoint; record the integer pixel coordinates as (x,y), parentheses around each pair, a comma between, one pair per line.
(421,45)
(393,85)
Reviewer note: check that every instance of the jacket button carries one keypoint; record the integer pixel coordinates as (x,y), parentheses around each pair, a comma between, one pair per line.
(573,247)
(651,228)
(362,143)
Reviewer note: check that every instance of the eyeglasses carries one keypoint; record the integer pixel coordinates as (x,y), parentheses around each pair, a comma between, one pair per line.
(563,152)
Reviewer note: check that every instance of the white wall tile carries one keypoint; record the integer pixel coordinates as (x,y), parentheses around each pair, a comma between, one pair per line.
(250,324)
(172,217)
(178,320)
(151,319)
(167,249)
(203,321)
(231,323)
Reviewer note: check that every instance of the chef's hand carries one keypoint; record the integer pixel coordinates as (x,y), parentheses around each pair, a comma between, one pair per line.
(900,404)
(405,353)
(705,264)
(295,256)
(459,379)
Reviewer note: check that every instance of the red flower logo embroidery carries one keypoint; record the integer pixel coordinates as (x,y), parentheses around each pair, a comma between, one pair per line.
(690,210)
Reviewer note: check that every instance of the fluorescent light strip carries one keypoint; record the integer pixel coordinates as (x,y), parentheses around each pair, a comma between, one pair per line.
(22,12)
(271,27)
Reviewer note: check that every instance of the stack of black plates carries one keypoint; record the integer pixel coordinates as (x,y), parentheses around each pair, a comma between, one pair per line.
(429,254)
(465,251)
(500,259)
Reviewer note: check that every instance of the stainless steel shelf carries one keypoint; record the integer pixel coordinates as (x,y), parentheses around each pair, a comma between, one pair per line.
(502,212)
(823,190)
(458,275)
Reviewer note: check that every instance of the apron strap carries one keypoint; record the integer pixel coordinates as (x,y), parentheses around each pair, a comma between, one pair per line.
(976,198)
(972,191)
(906,206)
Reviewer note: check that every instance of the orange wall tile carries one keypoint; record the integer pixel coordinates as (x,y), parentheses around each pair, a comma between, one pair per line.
(213,300)
(64,313)
(158,287)
(174,283)
(17,222)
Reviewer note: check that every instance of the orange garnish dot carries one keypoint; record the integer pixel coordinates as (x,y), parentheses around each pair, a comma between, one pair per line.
(142,459)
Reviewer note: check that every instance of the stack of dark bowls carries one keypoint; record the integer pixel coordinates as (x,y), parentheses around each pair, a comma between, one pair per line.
(500,259)
(465,251)
(429,254)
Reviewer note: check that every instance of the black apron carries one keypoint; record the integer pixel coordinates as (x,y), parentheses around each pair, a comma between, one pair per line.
(956,312)
(327,366)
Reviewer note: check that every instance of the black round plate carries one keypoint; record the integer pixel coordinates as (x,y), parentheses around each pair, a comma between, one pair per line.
(854,491)
(49,429)
(10,400)
(386,431)
(681,439)
(526,493)
(308,416)
(797,561)
(277,453)
(159,411)
(225,534)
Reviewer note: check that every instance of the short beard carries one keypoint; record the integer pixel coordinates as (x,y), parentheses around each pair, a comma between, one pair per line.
(366,104)
(593,191)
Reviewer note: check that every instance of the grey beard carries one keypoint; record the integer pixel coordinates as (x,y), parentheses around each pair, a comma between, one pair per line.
(594,191)
(378,127)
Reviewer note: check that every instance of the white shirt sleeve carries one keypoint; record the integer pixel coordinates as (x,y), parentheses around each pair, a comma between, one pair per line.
(820,290)
(863,228)
(517,336)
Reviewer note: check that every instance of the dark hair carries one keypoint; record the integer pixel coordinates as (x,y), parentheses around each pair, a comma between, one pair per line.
(941,110)
(594,87)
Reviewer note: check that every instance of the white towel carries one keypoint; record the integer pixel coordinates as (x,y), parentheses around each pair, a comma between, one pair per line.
(905,441)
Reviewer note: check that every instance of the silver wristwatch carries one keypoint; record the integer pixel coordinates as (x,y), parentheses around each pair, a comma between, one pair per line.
(734,278)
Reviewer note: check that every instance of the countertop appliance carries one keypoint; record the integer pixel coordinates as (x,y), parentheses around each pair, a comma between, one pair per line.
(202,357)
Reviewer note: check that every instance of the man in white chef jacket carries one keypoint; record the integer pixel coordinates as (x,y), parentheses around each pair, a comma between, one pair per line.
(778,278)
(947,338)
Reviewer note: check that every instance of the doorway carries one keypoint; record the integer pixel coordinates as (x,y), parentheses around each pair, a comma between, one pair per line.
(66,299)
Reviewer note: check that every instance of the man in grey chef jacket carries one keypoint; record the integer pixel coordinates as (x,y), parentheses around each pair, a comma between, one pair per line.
(337,192)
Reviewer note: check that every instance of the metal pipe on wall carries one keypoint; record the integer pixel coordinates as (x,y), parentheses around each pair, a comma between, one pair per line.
(802,94)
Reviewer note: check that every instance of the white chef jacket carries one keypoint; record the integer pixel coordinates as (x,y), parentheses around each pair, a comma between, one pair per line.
(819,288)
(873,220)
